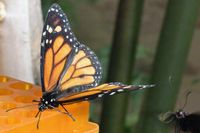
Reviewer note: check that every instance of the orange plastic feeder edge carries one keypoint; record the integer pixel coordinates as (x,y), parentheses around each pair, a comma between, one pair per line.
(15,93)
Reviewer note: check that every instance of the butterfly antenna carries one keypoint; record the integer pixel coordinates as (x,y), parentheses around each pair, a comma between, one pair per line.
(187,96)
(20,107)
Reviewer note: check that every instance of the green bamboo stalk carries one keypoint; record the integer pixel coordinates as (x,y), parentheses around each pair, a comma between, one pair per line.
(175,39)
(122,57)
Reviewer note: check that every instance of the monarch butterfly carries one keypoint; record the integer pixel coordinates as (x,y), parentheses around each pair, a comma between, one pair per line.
(70,71)
(183,121)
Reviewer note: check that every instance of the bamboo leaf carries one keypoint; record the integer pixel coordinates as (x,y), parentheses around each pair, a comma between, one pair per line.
(121,62)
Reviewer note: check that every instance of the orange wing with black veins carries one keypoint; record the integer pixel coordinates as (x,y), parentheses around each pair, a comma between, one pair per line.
(66,64)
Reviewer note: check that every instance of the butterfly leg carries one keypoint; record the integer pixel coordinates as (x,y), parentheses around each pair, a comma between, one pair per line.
(177,129)
(38,122)
(68,113)
(37,114)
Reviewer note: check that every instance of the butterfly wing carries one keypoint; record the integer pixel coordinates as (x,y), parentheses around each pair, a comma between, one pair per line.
(84,72)
(56,48)
(65,63)
(190,123)
(101,91)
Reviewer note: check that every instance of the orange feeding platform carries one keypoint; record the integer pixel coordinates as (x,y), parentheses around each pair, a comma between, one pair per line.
(15,93)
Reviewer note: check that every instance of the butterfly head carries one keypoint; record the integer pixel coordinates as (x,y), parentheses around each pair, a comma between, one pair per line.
(181,114)
(47,101)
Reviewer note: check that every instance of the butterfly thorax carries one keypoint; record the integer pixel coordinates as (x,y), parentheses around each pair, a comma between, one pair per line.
(48,101)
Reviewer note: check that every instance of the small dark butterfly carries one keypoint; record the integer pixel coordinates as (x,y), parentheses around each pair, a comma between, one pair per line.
(183,121)
(70,71)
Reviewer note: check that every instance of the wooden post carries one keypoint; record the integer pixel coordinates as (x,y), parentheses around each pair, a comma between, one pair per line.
(20,39)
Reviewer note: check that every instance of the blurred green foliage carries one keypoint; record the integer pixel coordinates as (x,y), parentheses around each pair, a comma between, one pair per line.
(170,60)
(138,77)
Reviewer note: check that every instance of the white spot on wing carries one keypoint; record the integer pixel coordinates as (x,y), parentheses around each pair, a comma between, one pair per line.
(50,30)
(47,40)
(112,93)
(47,28)
(120,90)
(44,33)
(95,84)
(105,92)
(76,50)
(126,87)
(58,28)
(100,95)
